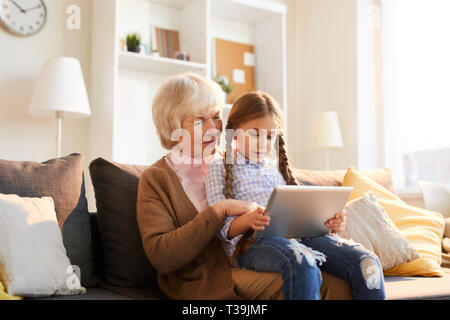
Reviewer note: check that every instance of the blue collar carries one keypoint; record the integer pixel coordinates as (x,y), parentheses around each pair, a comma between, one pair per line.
(241,159)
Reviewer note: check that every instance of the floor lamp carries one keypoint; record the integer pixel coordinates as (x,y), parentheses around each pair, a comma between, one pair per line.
(326,134)
(60,92)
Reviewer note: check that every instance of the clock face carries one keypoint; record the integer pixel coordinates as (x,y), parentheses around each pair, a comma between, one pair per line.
(23,17)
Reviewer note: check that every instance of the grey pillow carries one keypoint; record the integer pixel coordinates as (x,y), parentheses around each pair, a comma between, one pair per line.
(63,180)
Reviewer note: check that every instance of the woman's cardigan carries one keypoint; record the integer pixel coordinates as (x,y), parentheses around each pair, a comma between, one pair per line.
(179,241)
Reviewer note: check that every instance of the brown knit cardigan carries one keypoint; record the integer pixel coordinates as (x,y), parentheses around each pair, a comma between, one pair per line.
(179,241)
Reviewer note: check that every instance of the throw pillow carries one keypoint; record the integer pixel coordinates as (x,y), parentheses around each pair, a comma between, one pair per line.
(63,180)
(369,225)
(32,254)
(5,296)
(423,228)
(116,188)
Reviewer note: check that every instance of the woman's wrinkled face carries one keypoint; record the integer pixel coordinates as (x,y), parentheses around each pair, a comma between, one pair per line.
(256,138)
(202,132)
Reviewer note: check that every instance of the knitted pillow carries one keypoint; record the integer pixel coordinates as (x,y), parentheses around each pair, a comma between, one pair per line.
(32,254)
(369,225)
(423,228)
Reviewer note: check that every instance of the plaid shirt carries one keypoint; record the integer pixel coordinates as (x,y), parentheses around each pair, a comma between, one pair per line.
(251,182)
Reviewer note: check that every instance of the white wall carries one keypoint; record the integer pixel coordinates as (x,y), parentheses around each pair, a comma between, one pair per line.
(323,38)
(370,104)
(332,60)
(23,137)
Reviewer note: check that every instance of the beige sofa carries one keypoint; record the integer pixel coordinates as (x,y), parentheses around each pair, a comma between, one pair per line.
(396,287)
(115,240)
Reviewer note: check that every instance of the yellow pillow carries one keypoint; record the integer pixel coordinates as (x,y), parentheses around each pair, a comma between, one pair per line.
(5,296)
(424,229)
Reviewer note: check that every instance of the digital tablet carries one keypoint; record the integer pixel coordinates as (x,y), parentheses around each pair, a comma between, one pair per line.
(301,211)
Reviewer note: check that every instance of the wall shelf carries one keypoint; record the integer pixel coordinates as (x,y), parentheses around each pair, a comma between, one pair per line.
(247,11)
(145,63)
(173,3)
(123,84)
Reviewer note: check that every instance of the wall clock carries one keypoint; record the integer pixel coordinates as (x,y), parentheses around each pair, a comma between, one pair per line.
(23,17)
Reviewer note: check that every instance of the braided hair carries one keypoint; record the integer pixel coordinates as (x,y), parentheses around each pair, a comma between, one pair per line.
(228,160)
(283,161)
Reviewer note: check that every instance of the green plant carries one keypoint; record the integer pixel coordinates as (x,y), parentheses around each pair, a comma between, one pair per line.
(133,40)
(223,84)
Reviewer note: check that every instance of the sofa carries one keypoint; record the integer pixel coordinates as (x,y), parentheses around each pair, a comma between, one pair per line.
(113,256)
(397,288)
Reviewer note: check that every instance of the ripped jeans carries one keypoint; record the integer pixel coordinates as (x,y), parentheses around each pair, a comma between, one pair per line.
(300,262)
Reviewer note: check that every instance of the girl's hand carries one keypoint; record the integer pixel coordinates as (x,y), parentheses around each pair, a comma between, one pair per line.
(257,220)
(337,224)
(234,207)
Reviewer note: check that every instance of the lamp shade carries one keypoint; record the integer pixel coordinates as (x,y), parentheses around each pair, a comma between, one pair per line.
(60,88)
(325,131)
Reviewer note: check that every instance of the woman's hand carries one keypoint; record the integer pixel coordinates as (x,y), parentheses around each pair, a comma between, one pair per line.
(337,223)
(234,208)
(257,220)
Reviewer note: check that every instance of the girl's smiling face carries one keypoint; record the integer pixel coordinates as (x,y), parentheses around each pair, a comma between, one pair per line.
(256,138)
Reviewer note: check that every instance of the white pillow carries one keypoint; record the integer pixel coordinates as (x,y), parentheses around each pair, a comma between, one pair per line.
(369,224)
(33,260)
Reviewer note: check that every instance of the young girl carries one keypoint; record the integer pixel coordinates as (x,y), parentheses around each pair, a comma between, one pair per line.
(248,173)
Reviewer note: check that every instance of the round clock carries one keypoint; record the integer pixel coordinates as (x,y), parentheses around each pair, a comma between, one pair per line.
(23,17)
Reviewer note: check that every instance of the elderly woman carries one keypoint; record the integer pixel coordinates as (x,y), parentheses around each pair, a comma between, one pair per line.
(177,226)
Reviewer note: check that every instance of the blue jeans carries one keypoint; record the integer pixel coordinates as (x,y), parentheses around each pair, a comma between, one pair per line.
(300,262)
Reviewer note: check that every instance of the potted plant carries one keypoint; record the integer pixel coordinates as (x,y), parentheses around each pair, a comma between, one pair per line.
(133,42)
(224,84)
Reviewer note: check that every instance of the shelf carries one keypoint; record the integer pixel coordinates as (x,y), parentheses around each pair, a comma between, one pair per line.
(177,4)
(173,3)
(120,79)
(159,65)
(247,11)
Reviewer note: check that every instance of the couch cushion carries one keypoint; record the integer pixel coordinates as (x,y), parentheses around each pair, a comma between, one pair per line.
(135,293)
(91,294)
(369,224)
(404,288)
(32,254)
(423,229)
(97,249)
(335,178)
(63,180)
(116,187)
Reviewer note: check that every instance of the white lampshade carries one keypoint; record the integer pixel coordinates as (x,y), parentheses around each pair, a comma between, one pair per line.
(325,131)
(60,88)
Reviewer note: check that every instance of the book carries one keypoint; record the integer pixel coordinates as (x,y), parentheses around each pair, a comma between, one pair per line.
(166,42)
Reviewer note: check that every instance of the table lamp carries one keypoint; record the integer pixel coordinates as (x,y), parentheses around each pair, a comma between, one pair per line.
(326,134)
(60,91)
